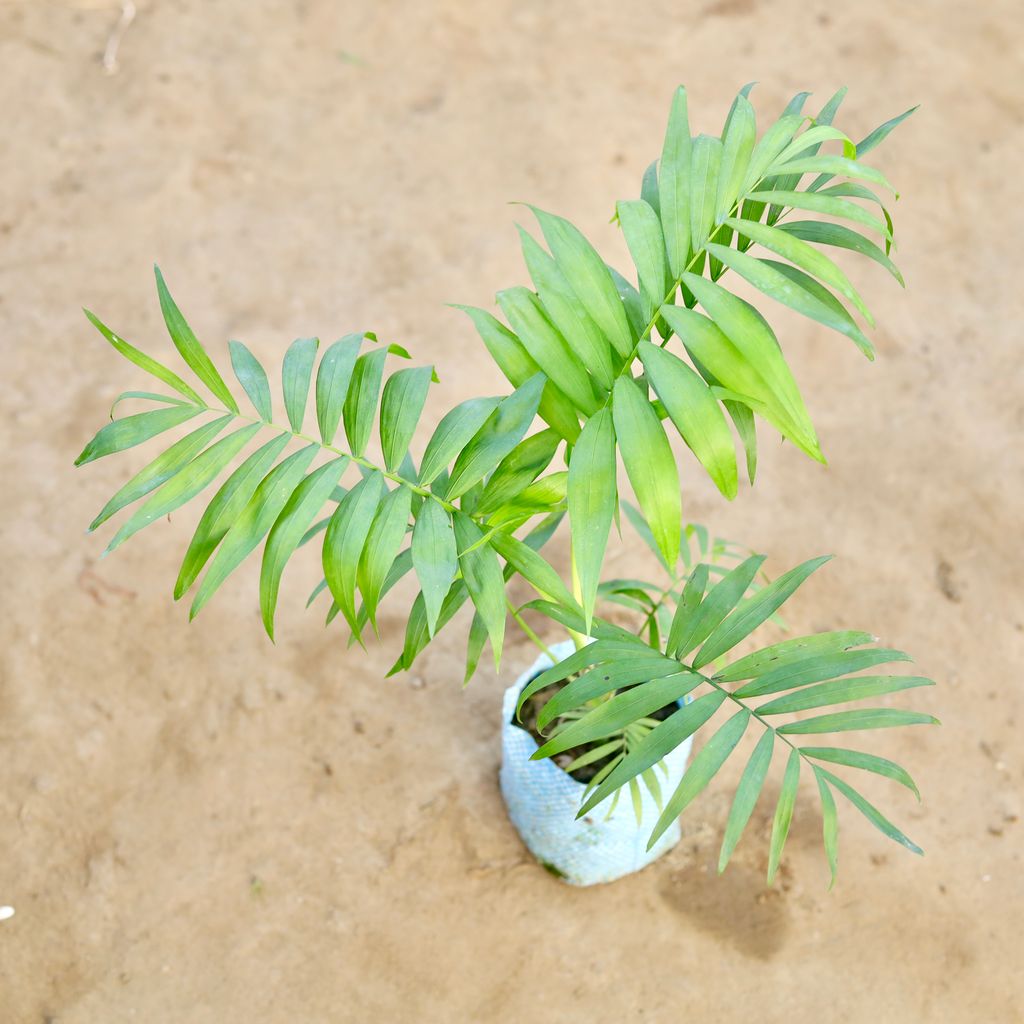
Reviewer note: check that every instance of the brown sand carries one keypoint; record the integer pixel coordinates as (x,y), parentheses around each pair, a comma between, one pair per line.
(198,826)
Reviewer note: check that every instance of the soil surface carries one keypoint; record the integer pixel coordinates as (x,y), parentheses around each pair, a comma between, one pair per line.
(197,825)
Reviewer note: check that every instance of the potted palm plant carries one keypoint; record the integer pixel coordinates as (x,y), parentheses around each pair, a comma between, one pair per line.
(611,367)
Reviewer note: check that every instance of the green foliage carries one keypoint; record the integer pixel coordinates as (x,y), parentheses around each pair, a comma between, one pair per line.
(640,678)
(701,209)
(614,368)
(391,519)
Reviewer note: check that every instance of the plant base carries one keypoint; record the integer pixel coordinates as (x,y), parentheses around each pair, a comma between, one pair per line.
(543,800)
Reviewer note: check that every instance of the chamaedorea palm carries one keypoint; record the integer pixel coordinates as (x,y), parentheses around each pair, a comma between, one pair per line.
(590,354)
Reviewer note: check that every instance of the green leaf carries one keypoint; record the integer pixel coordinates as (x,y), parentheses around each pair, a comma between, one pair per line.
(635,517)
(503,429)
(789,652)
(780,283)
(788,182)
(361,402)
(453,433)
(743,421)
(689,601)
(518,470)
(828,205)
(595,754)
(126,433)
(705,160)
(783,812)
(660,741)
(252,524)
(674,184)
(332,383)
(869,718)
(302,506)
(434,557)
(181,488)
(754,610)
(650,780)
(253,378)
(484,580)
(870,812)
(825,233)
(533,568)
(566,312)
(614,714)
(399,567)
(829,823)
(834,165)
(737,147)
(650,465)
(867,762)
(855,191)
(809,142)
(879,135)
(225,508)
(767,150)
(296,372)
(839,691)
(798,252)
(382,545)
(695,413)
(147,363)
(838,316)
(700,771)
(747,792)
(188,345)
(642,231)
(474,646)
(745,94)
(828,112)
(796,104)
(591,501)
(161,469)
(148,396)
(588,277)
(547,347)
(401,405)
(626,668)
(543,495)
(638,807)
(517,365)
(416,635)
(631,302)
(649,188)
(720,600)
(818,668)
(590,654)
(753,339)
(344,541)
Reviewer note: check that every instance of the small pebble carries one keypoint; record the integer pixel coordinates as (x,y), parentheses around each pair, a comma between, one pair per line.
(6,912)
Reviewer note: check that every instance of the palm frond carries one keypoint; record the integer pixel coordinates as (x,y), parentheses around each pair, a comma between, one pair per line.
(811,673)
(287,489)
(703,206)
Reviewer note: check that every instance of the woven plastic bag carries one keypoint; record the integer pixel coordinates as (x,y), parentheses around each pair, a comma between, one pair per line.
(543,800)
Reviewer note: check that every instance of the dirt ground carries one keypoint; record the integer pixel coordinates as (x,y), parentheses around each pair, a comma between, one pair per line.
(198,826)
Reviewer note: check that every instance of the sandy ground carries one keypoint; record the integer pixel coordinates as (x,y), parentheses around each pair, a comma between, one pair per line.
(198,826)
